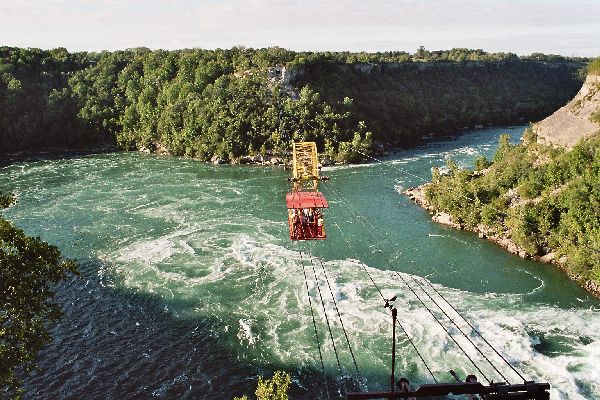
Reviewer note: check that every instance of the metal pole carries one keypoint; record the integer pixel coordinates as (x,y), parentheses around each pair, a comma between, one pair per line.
(393,378)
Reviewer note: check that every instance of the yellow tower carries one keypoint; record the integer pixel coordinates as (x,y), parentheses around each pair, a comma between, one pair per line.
(305,174)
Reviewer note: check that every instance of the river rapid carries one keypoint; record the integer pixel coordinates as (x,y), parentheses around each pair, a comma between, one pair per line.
(191,288)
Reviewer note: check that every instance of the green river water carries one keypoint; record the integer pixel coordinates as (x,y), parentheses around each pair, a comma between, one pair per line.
(188,271)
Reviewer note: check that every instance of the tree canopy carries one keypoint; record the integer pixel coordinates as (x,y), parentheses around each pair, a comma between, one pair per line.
(205,103)
(594,67)
(547,200)
(29,270)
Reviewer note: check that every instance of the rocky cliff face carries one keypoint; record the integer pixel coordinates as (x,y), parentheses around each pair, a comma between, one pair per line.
(574,121)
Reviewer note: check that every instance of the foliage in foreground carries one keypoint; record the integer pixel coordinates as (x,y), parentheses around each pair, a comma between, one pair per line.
(272,389)
(546,200)
(29,268)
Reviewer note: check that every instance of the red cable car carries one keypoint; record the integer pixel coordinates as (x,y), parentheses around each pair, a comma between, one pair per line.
(305,215)
(305,203)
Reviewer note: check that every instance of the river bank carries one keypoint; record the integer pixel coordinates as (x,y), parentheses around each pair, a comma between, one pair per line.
(502,239)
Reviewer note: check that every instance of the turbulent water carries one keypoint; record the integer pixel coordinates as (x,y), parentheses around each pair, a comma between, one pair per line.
(191,288)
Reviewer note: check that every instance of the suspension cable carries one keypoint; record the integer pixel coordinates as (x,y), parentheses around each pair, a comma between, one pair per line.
(341,321)
(380,293)
(358,259)
(429,310)
(460,330)
(443,327)
(335,352)
(312,313)
(474,329)
(445,300)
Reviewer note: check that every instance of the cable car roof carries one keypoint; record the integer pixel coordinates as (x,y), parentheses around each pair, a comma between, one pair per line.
(306,200)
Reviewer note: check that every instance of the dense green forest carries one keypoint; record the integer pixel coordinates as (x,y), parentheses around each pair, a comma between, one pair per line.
(545,199)
(202,103)
(402,102)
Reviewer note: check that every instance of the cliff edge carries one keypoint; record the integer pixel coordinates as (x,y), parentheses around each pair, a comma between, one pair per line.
(577,120)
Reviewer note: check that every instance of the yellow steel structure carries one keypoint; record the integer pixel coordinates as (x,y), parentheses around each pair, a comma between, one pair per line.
(305,166)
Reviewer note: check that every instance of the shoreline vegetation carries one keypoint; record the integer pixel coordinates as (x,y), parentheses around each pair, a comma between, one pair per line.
(538,199)
(227,105)
(418,195)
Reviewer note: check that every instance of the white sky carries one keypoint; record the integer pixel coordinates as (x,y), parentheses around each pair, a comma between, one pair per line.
(567,27)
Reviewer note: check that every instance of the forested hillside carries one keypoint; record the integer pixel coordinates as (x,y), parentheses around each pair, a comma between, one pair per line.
(402,102)
(544,200)
(202,103)
(541,200)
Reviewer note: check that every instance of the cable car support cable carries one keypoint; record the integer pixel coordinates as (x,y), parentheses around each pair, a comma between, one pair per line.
(335,351)
(315,326)
(381,294)
(439,294)
(341,322)
(436,318)
(461,331)
(475,330)
(419,299)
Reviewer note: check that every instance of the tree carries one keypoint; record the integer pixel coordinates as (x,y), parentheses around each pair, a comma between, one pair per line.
(272,389)
(594,67)
(503,148)
(481,162)
(29,269)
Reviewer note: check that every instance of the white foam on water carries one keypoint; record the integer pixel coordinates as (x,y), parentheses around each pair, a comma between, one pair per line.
(154,251)
(347,166)
(274,319)
(540,286)
(235,271)
(245,332)
(141,206)
(469,150)
(399,187)
(451,237)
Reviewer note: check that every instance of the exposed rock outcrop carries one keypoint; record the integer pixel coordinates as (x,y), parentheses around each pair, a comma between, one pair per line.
(574,121)
(285,76)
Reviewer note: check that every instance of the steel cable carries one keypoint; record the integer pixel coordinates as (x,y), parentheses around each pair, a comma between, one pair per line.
(337,358)
(384,299)
(445,300)
(315,326)
(341,321)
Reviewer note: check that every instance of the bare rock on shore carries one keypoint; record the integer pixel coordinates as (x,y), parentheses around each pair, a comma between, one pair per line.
(572,122)
(444,219)
(217,160)
(417,194)
(548,258)
(161,149)
(326,162)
